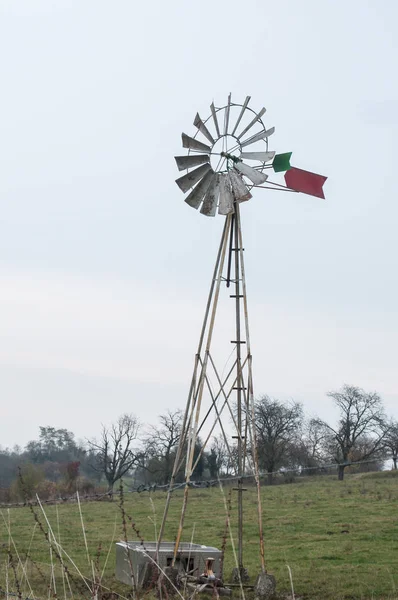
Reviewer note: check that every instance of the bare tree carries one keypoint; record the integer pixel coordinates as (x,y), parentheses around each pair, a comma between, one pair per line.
(278,425)
(115,455)
(306,453)
(361,417)
(314,436)
(391,442)
(161,443)
(374,462)
(220,460)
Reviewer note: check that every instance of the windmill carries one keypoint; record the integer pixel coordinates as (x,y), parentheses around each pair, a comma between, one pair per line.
(226,158)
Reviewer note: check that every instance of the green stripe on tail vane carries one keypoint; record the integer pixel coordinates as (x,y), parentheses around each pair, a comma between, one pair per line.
(281,162)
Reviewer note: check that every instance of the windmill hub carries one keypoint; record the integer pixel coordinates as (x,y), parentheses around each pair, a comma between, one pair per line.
(230,156)
(223,148)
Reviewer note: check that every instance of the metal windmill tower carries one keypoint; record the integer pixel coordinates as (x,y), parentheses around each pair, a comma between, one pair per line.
(227,157)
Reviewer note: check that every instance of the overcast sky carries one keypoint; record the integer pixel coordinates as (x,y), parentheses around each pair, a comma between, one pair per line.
(104,270)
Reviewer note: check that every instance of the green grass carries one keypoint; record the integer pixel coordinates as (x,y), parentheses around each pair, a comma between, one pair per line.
(340,539)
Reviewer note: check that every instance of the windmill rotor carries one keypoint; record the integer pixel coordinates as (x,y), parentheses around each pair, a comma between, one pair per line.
(218,171)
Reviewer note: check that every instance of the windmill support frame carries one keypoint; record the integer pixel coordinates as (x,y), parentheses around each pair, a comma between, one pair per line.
(231,245)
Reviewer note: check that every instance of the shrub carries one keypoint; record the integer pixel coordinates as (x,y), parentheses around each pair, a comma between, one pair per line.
(47,490)
(25,486)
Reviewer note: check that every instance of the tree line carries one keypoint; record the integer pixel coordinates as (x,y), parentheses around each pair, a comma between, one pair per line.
(287,441)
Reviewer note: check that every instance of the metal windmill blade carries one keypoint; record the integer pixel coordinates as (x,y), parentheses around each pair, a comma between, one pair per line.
(210,201)
(239,188)
(187,181)
(226,205)
(258,136)
(214,115)
(193,160)
(196,196)
(252,122)
(261,156)
(256,177)
(203,129)
(242,112)
(193,144)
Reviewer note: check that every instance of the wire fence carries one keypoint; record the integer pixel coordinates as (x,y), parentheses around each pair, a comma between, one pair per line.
(199,484)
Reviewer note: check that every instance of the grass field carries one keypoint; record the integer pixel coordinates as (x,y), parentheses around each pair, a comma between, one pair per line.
(340,539)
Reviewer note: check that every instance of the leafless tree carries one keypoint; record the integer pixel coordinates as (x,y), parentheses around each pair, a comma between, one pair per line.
(361,418)
(374,462)
(306,453)
(278,425)
(221,461)
(115,454)
(391,442)
(314,435)
(161,443)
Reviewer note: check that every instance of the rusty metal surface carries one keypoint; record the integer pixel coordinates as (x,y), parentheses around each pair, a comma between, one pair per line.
(239,188)
(187,181)
(255,177)
(196,196)
(210,201)
(192,160)
(192,144)
(226,204)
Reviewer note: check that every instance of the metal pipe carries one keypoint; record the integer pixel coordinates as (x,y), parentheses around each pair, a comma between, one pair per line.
(230,253)
(213,282)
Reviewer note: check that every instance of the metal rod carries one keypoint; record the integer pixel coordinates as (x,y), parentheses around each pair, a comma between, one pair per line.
(209,410)
(225,403)
(253,436)
(230,252)
(222,386)
(238,385)
(250,415)
(213,282)
(214,404)
(243,388)
(218,393)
